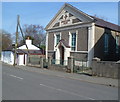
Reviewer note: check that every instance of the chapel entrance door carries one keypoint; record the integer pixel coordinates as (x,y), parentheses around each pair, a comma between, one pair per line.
(61,55)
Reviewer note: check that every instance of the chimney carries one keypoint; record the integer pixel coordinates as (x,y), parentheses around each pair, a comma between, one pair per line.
(28,41)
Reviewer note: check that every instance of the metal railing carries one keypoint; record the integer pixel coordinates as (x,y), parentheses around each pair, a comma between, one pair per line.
(80,66)
(33,60)
(60,62)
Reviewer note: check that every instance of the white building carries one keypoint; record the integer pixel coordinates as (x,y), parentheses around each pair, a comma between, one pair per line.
(7,55)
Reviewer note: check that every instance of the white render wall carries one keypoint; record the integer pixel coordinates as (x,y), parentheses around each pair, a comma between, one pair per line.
(66,54)
(21,59)
(7,57)
(91,35)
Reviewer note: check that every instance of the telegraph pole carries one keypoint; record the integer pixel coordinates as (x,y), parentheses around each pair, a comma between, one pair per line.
(16,41)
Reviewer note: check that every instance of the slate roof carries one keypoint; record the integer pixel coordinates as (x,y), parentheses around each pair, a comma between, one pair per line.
(10,48)
(38,52)
(64,43)
(101,22)
(21,51)
(106,24)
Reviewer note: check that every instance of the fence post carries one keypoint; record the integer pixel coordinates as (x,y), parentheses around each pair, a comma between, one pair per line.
(49,61)
(95,66)
(71,63)
(41,62)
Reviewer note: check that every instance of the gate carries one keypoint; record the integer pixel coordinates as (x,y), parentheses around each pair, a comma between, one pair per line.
(45,63)
(35,60)
(80,67)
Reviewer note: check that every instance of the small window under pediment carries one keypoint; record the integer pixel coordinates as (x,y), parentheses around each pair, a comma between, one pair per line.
(70,15)
(56,24)
(76,20)
(61,17)
(66,11)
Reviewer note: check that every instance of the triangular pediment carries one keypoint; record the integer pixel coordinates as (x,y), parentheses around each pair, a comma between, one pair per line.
(68,15)
(63,43)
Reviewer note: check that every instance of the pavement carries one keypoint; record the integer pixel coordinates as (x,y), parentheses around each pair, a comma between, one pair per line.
(29,83)
(92,79)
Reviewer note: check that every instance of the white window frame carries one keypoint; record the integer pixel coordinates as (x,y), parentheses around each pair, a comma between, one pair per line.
(55,34)
(70,39)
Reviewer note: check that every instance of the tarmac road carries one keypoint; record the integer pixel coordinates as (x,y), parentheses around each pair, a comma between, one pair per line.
(18,84)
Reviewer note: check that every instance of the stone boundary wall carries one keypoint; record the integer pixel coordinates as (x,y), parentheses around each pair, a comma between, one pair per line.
(105,69)
(58,67)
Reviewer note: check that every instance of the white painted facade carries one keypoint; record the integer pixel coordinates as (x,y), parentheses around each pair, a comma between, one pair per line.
(22,59)
(66,54)
(91,31)
(7,57)
(85,21)
(91,43)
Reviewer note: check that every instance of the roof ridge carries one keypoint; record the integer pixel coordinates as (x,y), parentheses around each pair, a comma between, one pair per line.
(105,20)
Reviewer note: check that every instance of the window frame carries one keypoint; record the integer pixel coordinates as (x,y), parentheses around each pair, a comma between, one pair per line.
(73,41)
(55,38)
(117,43)
(106,43)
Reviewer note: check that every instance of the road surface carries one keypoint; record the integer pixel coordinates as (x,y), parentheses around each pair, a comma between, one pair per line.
(21,84)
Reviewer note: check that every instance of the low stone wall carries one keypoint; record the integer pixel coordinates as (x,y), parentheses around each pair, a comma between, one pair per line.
(58,67)
(105,69)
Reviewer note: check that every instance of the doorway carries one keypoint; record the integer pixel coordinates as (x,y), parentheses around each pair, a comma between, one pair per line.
(61,48)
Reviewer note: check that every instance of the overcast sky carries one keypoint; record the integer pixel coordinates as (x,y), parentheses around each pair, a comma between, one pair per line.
(42,12)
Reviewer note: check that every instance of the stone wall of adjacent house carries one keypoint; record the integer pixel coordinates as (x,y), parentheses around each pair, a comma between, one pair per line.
(82,42)
(65,36)
(82,39)
(51,41)
(105,69)
(99,44)
(51,54)
(79,55)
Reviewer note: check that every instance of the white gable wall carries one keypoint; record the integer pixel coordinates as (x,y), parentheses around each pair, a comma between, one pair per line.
(76,14)
(29,45)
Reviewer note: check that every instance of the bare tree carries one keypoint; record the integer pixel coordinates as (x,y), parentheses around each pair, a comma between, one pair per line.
(20,39)
(101,17)
(36,32)
(6,39)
